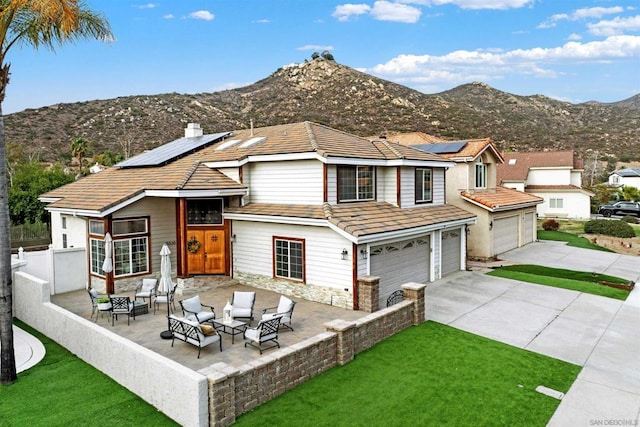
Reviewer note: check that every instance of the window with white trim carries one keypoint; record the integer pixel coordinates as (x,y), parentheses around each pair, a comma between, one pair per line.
(288,259)
(424,185)
(556,203)
(481,175)
(97,255)
(130,246)
(356,183)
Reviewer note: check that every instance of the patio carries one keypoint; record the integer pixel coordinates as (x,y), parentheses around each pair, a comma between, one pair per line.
(308,320)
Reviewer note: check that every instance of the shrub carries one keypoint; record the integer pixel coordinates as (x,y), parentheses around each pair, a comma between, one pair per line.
(630,219)
(550,225)
(617,228)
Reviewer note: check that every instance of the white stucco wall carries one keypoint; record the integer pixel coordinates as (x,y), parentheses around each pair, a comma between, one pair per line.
(546,176)
(575,205)
(76,231)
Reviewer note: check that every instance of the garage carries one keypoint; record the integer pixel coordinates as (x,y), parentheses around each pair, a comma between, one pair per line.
(529,227)
(399,263)
(505,234)
(451,242)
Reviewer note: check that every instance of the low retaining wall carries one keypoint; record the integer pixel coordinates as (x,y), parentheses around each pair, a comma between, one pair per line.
(177,391)
(234,391)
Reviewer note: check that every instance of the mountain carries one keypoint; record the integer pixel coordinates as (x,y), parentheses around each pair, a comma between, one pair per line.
(340,97)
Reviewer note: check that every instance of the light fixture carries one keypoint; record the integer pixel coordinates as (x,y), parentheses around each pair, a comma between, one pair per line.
(491,225)
(233,238)
(364,253)
(344,254)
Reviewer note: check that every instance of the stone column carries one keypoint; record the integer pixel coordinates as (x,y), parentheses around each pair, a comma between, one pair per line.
(416,292)
(368,293)
(222,394)
(346,336)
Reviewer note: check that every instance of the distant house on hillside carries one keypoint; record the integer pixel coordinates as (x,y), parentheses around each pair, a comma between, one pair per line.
(506,217)
(629,177)
(555,176)
(300,208)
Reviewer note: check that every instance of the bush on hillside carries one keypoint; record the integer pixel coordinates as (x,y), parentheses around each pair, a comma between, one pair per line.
(630,219)
(617,228)
(550,225)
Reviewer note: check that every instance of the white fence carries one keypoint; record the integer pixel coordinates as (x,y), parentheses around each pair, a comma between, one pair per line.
(179,392)
(64,269)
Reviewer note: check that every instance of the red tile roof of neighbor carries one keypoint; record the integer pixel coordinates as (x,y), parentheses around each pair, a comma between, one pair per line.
(471,149)
(501,198)
(361,218)
(516,165)
(103,190)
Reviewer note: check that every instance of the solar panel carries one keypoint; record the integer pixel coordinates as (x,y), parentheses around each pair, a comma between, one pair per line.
(171,151)
(442,147)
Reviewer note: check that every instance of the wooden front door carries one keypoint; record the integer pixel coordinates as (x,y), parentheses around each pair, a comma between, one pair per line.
(210,256)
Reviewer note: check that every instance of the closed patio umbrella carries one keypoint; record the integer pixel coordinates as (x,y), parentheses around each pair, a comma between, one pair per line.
(165,283)
(107,265)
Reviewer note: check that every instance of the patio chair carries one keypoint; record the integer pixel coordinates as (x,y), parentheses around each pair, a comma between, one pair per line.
(242,303)
(265,331)
(284,311)
(97,308)
(190,331)
(192,307)
(162,299)
(121,305)
(146,289)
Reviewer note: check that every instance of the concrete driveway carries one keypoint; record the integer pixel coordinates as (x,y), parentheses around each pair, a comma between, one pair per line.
(601,334)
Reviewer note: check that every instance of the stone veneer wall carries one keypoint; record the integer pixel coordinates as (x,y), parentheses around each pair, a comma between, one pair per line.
(234,391)
(323,294)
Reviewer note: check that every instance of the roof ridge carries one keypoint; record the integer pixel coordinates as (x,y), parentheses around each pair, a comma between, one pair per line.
(188,175)
(392,149)
(312,136)
(328,210)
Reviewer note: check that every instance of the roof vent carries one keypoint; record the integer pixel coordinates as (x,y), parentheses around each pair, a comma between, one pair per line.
(512,161)
(193,130)
(253,141)
(227,144)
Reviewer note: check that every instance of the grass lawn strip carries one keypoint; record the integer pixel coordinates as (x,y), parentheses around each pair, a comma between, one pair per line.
(571,239)
(429,374)
(561,278)
(63,390)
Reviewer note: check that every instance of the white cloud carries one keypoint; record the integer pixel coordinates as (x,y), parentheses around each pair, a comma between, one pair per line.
(202,14)
(574,37)
(580,14)
(315,47)
(615,26)
(382,10)
(463,65)
(168,16)
(483,4)
(262,21)
(146,6)
(344,12)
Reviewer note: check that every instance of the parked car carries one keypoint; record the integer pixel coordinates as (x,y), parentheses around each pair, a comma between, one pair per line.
(620,208)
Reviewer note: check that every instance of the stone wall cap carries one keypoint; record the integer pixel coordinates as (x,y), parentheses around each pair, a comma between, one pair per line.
(339,325)
(368,279)
(216,376)
(414,286)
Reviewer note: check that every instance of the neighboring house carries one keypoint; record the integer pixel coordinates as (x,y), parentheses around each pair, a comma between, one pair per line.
(299,208)
(629,177)
(506,217)
(556,176)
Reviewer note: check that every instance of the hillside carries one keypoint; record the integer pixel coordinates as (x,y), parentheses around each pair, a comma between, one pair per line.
(341,97)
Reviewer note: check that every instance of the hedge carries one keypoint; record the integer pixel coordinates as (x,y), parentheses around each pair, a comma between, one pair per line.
(617,228)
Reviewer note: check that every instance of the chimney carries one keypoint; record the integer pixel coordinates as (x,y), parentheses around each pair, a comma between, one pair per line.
(193,130)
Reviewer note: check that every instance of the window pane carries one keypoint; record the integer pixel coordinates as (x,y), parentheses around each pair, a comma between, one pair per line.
(204,211)
(97,256)
(139,255)
(365,182)
(296,260)
(132,226)
(423,185)
(346,183)
(122,256)
(481,176)
(289,259)
(96,227)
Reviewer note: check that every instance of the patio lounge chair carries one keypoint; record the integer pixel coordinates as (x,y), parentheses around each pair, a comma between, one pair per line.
(284,311)
(121,305)
(97,308)
(190,331)
(192,307)
(146,289)
(162,299)
(242,303)
(265,331)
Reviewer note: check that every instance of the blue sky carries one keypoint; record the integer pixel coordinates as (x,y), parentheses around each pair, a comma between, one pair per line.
(571,50)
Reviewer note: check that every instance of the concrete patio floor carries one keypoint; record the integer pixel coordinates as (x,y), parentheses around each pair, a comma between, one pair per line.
(308,320)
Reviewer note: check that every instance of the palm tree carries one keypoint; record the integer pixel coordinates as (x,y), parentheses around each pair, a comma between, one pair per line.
(79,148)
(35,23)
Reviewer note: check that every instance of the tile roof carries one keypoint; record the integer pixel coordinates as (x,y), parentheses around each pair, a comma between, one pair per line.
(501,198)
(564,188)
(112,186)
(363,218)
(516,165)
(628,172)
(472,148)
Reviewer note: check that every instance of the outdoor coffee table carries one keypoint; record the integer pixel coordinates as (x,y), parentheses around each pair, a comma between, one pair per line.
(233,328)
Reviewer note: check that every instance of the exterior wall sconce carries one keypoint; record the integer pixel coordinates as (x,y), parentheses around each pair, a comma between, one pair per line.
(364,253)
(233,238)
(491,225)
(344,254)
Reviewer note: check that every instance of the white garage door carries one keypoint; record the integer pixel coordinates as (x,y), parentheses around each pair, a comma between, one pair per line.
(399,263)
(529,227)
(450,251)
(505,234)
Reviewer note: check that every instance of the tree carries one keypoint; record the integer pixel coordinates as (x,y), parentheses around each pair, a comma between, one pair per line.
(79,148)
(628,193)
(35,23)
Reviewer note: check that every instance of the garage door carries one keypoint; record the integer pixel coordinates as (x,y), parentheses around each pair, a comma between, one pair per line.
(399,263)
(529,227)
(450,251)
(505,234)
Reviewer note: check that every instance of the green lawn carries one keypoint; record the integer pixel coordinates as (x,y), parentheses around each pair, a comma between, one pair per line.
(571,239)
(62,390)
(429,374)
(560,278)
